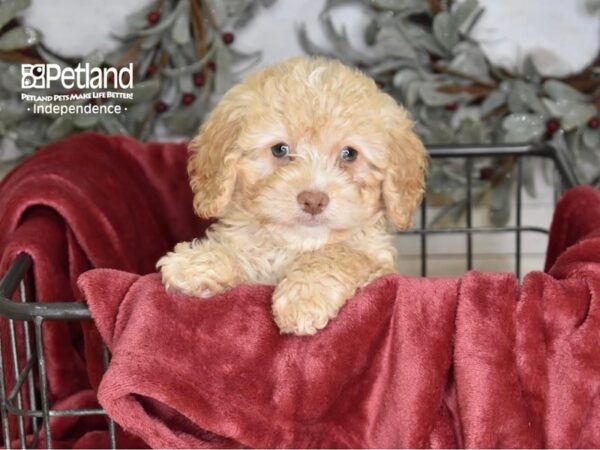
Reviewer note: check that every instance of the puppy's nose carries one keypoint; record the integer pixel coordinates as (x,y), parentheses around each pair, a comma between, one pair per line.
(313,202)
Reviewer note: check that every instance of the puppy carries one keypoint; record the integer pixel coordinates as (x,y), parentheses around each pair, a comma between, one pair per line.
(305,164)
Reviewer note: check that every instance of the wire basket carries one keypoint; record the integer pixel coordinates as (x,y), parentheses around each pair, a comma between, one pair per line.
(26,317)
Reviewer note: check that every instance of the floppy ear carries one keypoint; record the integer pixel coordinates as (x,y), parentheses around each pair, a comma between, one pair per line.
(214,156)
(404,180)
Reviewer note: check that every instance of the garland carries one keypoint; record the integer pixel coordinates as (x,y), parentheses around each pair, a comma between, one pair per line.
(420,52)
(181,56)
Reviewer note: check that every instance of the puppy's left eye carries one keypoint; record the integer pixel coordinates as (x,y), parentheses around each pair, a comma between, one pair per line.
(348,154)
(280,150)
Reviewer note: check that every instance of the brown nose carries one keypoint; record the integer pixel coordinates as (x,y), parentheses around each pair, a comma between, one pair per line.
(313,202)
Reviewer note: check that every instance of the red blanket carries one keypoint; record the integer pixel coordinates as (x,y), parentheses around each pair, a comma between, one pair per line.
(87,202)
(474,361)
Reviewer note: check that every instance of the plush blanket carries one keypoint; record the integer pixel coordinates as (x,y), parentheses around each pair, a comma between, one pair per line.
(90,201)
(476,361)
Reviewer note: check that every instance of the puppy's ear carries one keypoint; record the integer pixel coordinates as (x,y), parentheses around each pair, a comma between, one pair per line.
(214,156)
(404,182)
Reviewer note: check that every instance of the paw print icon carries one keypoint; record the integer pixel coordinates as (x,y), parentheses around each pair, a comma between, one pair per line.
(33,76)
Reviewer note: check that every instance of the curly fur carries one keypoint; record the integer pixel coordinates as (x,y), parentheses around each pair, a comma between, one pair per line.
(316,106)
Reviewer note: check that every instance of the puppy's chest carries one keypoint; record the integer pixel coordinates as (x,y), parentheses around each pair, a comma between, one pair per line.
(267,264)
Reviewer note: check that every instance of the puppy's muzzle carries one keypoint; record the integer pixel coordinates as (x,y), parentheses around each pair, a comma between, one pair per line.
(313,202)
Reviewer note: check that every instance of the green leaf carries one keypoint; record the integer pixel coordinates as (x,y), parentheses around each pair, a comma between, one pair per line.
(60,128)
(523,98)
(190,69)
(412,92)
(445,30)
(224,61)
(404,77)
(165,23)
(404,7)
(180,33)
(530,71)
(9,10)
(308,45)
(17,38)
(112,125)
(85,121)
(464,11)
(339,40)
(370,33)
(432,97)
(562,91)
(12,111)
(470,60)
(591,138)
(390,65)
(470,132)
(571,113)
(577,115)
(139,19)
(493,101)
(151,40)
(522,128)
(144,91)
(422,39)
(392,43)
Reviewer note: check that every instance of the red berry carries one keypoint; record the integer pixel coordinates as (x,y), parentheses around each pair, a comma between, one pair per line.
(451,106)
(594,123)
(160,106)
(188,99)
(380,84)
(199,79)
(228,38)
(552,126)
(152,69)
(153,17)
(486,173)
(211,66)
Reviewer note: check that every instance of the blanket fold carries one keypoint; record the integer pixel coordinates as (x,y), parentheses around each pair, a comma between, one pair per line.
(86,202)
(476,361)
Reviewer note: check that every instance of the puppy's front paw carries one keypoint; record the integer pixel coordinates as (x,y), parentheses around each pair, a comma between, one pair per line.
(304,307)
(193,271)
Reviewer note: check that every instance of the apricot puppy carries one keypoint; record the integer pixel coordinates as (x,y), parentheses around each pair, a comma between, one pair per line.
(306,164)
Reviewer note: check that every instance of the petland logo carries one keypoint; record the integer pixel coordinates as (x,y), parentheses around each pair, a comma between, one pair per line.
(79,90)
(41,76)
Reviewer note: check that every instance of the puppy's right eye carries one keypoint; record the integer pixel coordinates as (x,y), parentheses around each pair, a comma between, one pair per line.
(280,150)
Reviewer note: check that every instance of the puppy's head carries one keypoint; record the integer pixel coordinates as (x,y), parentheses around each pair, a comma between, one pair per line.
(308,143)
